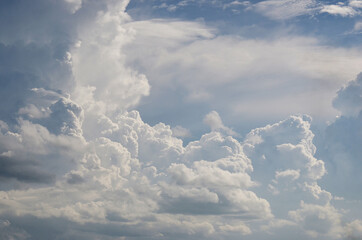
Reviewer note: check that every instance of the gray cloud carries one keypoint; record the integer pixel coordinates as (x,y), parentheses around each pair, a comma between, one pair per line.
(341,142)
(349,99)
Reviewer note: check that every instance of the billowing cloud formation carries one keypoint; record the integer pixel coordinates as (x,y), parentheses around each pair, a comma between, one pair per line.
(214,121)
(319,220)
(343,137)
(132,171)
(77,163)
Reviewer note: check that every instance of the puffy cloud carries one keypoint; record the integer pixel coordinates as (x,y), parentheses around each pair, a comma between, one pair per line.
(284,163)
(354,230)
(38,153)
(182,132)
(319,220)
(98,62)
(238,227)
(214,121)
(289,173)
(344,11)
(112,183)
(77,163)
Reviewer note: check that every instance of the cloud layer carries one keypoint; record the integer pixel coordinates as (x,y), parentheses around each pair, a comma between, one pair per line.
(76,162)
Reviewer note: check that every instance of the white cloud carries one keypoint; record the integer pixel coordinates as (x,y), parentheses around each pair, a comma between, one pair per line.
(319,220)
(98,63)
(355,3)
(357,26)
(181,132)
(349,99)
(344,11)
(74,5)
(317,192)
(117,183)
(341,142)
(284,10)
(238,227)
(284,164)
(214,121)
(42,153)
(77,162)
(198,70)
(281,10)
(289,173)
(354,230)
(234,4)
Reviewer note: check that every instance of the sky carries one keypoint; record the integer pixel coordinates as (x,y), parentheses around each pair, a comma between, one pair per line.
(180,119)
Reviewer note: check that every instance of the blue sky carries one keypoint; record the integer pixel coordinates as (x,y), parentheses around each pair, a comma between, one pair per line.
(180,119)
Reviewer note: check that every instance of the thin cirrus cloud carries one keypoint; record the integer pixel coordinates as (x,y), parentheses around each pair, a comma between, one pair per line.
(78,163)
(283,10)
(279,10)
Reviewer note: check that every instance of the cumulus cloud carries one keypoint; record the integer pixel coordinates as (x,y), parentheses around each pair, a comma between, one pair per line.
(37,151)
(354,230)
(77,163)
(113,184)
(319,220)
(98,62)
(214,121)
(284,163)
(179,131)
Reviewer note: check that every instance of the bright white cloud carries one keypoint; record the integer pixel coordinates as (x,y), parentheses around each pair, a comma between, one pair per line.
(344,11)
(98,62)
